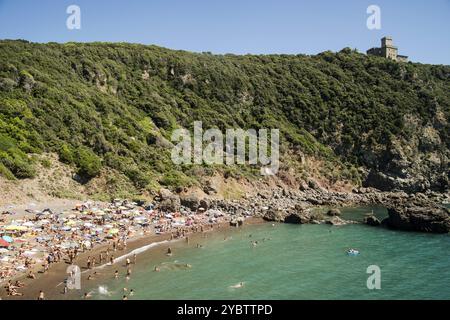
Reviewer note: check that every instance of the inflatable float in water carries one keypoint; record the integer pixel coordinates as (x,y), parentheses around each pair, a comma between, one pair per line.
(352,252)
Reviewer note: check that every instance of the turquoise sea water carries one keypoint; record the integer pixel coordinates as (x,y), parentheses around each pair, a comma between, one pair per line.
(294,262)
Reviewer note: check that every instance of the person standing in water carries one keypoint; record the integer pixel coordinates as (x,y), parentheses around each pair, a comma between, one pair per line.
(41,295)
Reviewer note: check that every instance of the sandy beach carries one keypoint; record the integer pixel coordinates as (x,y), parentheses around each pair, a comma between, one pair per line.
(52,281)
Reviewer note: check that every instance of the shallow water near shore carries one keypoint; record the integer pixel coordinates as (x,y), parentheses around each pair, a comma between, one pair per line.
(291,262)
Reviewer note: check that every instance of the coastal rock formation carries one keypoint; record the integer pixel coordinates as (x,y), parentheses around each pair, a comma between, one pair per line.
(336,221)
(297,218)
(168,201)
(194,203)
(274,215)
(419,218)
(413,164)
(372,221)
(191,201)
(334,212)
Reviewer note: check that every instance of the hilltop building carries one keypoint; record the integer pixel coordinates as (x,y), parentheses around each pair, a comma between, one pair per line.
(387,50)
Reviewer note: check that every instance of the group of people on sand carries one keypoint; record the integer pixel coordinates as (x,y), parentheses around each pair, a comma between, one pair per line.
(51,238)
(11,289)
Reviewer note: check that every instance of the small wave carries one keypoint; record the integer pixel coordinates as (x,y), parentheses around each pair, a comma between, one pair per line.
(131,253)
(103,290)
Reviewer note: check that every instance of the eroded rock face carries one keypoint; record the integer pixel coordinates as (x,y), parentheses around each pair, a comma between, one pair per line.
(415,164)
(192,202)
(274,215)
(168,201)
(297,218)
(336,221)
(418,218)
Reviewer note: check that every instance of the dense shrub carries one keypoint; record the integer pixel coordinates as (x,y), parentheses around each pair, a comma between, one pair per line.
(116,104)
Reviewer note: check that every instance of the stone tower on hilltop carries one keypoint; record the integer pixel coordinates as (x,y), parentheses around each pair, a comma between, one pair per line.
(387,50)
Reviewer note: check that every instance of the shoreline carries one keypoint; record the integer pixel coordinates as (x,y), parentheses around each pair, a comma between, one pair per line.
(51,282)
(290,207)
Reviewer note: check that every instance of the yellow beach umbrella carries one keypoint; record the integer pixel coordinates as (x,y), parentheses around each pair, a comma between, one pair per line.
(113,231)
(70,223)
(15,228)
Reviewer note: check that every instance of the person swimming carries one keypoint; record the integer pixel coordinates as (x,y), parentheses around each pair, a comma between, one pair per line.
(237,286)
(87,295)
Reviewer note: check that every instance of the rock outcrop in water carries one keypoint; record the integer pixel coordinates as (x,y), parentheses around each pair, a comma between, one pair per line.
(419,218)
(371,220)
(418,211)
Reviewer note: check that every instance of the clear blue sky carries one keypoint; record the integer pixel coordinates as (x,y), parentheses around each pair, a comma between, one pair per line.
(421,29)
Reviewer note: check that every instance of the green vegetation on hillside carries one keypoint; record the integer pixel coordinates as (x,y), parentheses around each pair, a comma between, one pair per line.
(115,105)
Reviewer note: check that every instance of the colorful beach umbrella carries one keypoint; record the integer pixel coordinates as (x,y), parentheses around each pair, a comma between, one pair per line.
(4,244)
(113,231)
(70,223)
(7,239)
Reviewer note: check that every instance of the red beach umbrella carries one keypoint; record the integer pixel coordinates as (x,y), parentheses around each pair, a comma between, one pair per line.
(3,243)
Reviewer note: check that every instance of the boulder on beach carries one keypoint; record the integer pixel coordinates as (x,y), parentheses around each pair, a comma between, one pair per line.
(274,215)
(165,194)
(168,201)
(191,201)
(204,203)
(419,218)
(195,202)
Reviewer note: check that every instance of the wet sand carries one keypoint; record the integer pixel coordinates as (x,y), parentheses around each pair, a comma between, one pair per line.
(51,283)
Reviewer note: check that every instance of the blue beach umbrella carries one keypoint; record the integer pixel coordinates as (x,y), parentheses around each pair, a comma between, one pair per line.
(8,239)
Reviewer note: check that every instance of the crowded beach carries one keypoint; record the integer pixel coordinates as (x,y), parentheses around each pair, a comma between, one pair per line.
(31,244)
